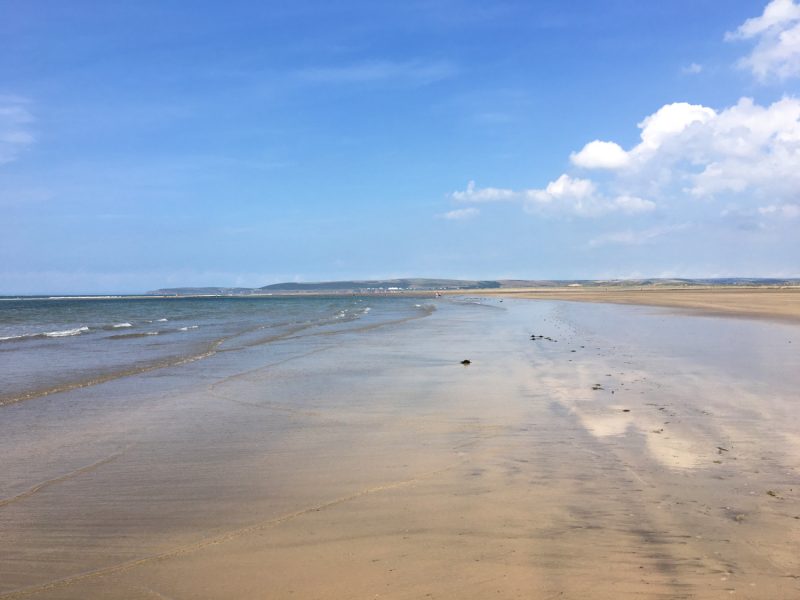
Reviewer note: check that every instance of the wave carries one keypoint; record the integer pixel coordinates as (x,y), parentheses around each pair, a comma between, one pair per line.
(45,334)
(128,336)
(188,327)
(210,348)
(121,325)
(67,332)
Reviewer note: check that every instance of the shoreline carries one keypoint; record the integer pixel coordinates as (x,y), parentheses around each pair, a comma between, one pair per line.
(774,302)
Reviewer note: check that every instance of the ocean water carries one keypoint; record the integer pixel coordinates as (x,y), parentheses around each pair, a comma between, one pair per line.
(49,345)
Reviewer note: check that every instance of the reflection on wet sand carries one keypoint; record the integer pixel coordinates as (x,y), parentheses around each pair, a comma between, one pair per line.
(615,461)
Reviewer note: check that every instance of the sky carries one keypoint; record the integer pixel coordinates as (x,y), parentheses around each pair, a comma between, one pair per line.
(166,143)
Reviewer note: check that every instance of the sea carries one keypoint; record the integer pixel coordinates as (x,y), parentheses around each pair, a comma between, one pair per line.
(55,344)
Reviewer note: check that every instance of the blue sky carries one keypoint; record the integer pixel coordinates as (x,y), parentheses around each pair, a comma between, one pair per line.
(155,144)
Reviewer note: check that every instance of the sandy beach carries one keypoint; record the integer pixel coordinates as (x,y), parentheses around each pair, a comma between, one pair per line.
(753,302)
(589,450)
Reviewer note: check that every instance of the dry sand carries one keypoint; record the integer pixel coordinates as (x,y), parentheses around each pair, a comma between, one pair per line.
(638,456)
(762,302)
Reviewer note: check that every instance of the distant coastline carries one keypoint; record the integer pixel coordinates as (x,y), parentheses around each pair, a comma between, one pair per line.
(421,285)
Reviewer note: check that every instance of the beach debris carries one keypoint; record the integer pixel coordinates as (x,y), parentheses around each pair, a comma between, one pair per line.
(625,409)
(772,493)
(535,337)
(466,362)
(720,449)
(597,386)
(658,430)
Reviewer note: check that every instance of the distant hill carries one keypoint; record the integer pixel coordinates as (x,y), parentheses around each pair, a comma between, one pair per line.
(200,291)
(382,284)
(429,285)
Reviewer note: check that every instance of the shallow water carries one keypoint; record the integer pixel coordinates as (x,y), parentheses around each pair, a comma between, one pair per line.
(642,453)
(53,344)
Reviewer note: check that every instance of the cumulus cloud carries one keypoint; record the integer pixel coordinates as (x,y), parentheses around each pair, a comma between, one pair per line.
(692,69)
(563,196)
(665,124)
(461,214)
(746,153)
(777,36)
(563,188)
(668,122)
(745,149)
(473,194)
(579,197)
(15,121)
(600,155)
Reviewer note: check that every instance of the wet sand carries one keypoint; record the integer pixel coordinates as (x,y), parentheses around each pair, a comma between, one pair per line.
(642,453)
(753,302)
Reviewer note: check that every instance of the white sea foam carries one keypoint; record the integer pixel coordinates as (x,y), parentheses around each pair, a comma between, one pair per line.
(66,332)
(120,325)
(16,337)
(188,327)
(162,320)
(151,333)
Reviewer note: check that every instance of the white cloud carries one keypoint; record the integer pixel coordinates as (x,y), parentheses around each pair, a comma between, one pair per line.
(743,149)
(15,120)
(565,187)
(746,153)
(563,196)
(600,155)
(776,14)
(788,211)
(692,69)
(633,204)
(580,197)
(749,149)
(461,214)
(777,35)
(473,194)
(667,123)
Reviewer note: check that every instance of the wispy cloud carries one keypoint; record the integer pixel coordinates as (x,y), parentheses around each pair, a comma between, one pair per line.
(777,36)
(563,196)
(692,69)
(415,72)
(461,214)
(15,121)
(475,194)
(635,237)
(787,211)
